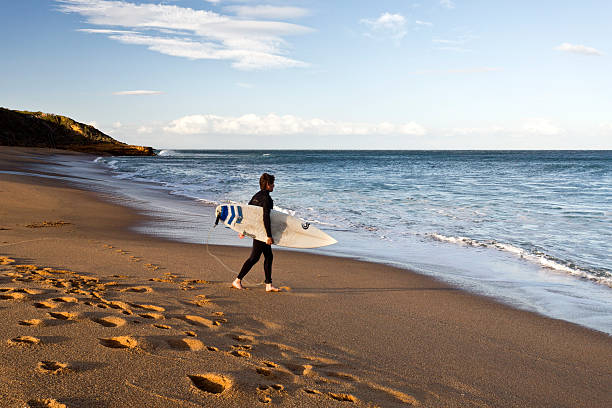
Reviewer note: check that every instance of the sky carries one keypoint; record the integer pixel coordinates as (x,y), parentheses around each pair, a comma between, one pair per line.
(317,74)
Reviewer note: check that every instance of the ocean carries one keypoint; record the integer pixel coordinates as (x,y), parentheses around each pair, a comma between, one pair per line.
(530,228)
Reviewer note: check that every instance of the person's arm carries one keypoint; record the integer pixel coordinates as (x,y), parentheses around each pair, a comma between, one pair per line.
(266,219)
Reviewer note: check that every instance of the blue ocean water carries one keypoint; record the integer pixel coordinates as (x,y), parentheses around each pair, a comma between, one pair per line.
(523,226)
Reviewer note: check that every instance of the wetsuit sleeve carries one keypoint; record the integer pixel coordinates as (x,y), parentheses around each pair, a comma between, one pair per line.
(266,216)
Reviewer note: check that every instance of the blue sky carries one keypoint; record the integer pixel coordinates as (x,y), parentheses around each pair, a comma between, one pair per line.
(423,74)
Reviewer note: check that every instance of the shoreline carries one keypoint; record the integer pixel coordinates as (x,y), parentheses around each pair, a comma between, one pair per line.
(340,329)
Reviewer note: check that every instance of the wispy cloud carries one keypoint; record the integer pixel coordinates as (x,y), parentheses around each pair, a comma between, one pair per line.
(387,26)
(273,124)
(267,11)
(423,23)
(578,49)
(458,44)
(244,85)
(542,127)
(138,92)
(449,4)
(195,34)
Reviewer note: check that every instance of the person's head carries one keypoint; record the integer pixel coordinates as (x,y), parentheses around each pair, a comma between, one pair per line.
(266,182)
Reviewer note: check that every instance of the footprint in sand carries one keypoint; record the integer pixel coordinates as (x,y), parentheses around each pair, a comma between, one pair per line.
(110,321)
(12,296)
(65,299)
(162,326)
(198,321)
(30,322)
(117,304)
(240,353)
(312,391)
(155,316)
(4,260)
(30,291)
(211,348)
(138,289)
(299,369)
(264,392)
(148,307)
(186,343)
(24,340)
(45,403)
(211,383)
(119,342)
(191,333)
(63,315)
(263,371)
(342,397)
(44,305)
(53,367)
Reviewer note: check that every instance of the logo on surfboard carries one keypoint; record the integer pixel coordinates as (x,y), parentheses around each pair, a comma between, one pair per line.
(305,225)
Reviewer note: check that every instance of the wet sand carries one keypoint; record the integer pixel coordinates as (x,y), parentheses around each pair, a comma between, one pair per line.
(94,315)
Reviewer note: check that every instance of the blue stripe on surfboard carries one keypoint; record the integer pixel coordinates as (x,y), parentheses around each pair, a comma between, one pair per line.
(239,220)
(229,222)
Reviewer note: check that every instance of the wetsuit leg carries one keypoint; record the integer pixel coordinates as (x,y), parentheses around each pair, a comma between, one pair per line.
(253,258)
(268,257)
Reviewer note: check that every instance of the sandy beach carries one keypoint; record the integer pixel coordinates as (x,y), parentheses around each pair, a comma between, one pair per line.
(95,315)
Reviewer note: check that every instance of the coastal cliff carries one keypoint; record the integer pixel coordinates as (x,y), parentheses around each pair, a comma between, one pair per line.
(37,129)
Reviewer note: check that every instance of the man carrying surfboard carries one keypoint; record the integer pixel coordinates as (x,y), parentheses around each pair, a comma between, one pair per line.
(261,199)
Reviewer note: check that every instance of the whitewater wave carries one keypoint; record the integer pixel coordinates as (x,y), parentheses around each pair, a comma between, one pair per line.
(541,259)
(166,153)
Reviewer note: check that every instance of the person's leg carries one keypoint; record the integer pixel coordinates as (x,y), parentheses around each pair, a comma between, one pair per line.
(268,258)
(248,264)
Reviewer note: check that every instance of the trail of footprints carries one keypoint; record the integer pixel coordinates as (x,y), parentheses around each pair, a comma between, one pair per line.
(82,290)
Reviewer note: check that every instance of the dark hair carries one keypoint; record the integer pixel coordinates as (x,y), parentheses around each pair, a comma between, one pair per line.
(265,179)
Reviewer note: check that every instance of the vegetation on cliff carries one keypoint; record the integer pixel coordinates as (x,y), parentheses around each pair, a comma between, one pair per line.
(37,129)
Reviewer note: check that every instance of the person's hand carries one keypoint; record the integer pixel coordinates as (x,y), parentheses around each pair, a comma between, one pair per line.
(269,241)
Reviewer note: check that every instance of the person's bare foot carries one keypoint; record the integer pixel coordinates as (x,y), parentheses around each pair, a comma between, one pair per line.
(270,288)
(237,284)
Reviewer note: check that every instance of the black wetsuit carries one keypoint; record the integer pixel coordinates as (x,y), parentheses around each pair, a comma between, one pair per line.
(261,199)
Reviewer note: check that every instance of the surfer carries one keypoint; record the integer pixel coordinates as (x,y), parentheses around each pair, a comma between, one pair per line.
(261,199)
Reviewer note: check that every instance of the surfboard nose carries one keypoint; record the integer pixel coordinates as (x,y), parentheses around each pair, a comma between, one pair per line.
(222,212)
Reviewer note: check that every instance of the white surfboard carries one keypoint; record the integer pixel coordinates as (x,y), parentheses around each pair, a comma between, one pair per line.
(287,231)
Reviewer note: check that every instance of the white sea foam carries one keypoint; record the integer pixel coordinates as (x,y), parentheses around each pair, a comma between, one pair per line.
(166,153)
(543,260)
(209,202)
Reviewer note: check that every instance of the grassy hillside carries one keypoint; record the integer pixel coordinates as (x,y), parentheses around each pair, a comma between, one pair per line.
(37,129)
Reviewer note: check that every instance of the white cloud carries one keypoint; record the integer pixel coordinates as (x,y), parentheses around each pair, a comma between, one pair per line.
(138,92)
(423,23)
(449,4)
(578,49)
(273,124)
(188,33)
(475,131)
(144,130)
(266,11)
(541,127)
(387,25)
(606,127)
(117,125)
(244,85)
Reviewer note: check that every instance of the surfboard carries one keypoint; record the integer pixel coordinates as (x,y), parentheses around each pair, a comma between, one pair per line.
(287,231)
